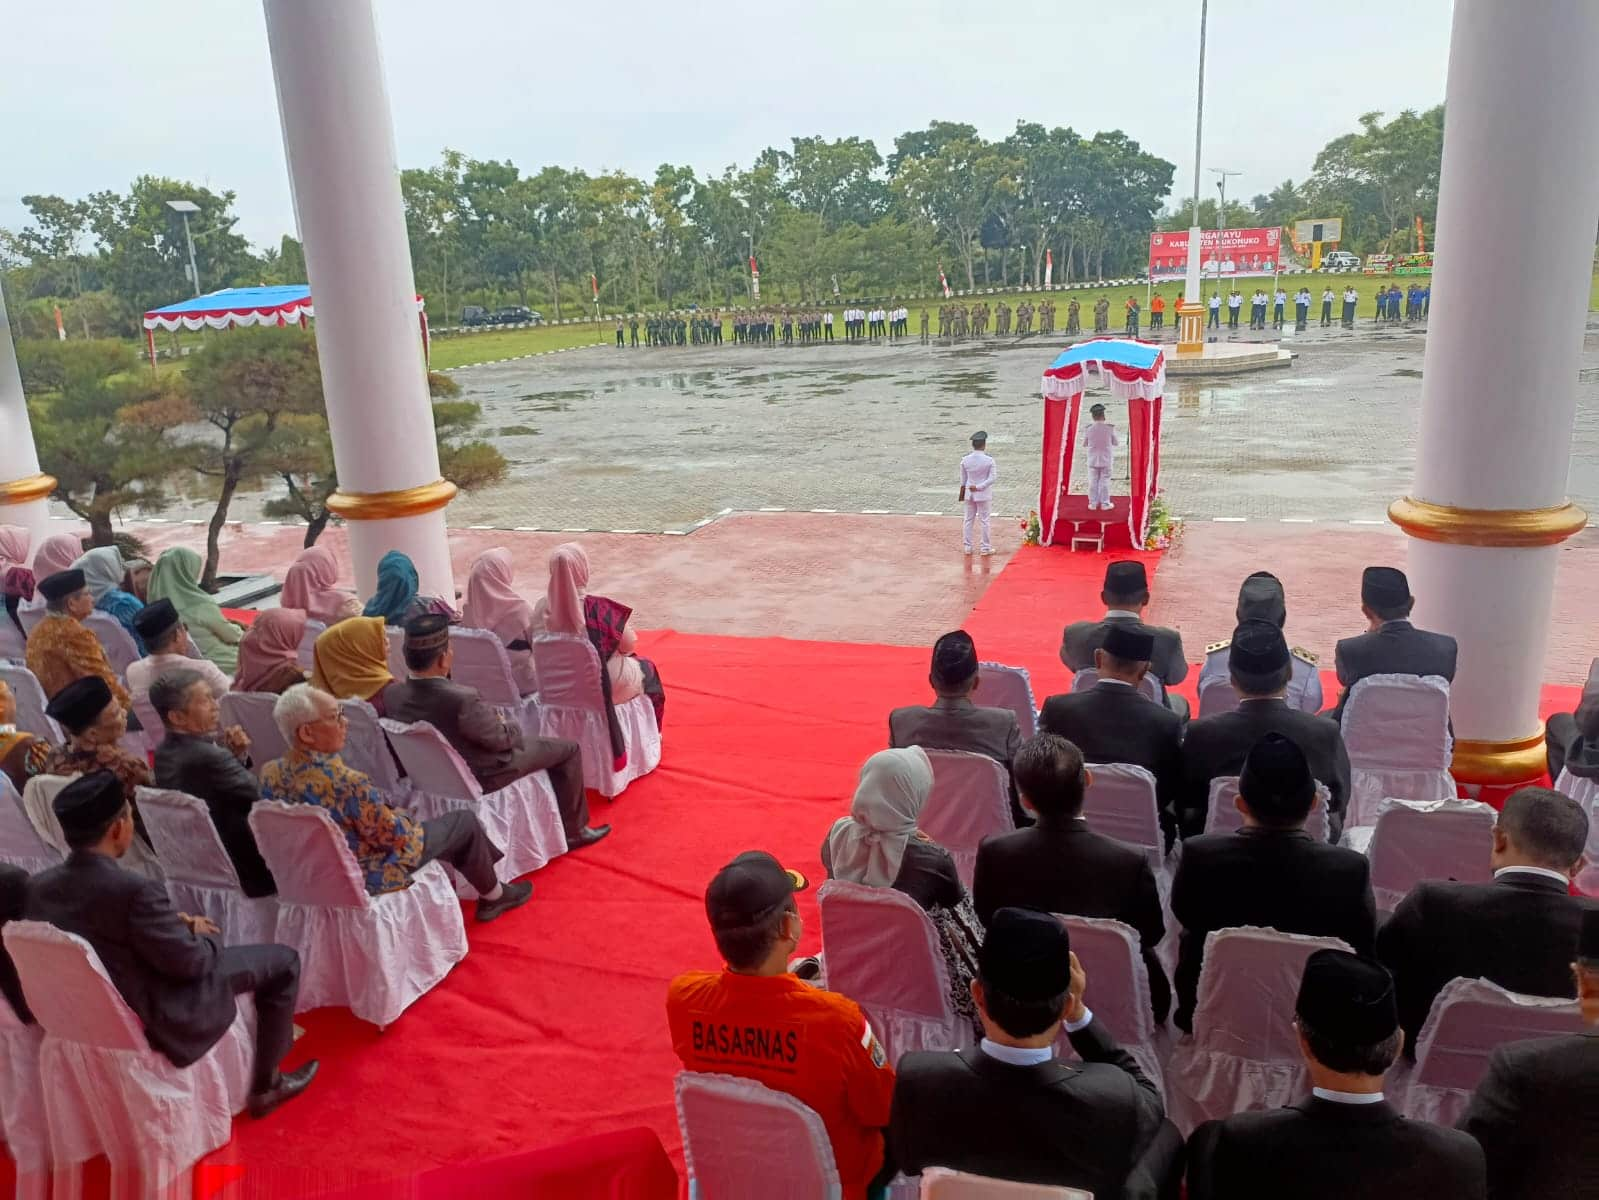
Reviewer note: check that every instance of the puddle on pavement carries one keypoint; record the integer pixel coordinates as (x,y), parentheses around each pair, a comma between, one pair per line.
(1406,373)
(977,384)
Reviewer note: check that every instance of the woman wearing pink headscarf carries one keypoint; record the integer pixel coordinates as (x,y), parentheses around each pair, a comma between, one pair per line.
(56,553)
(309,585)
(493,603)
(16,580)
(269,652)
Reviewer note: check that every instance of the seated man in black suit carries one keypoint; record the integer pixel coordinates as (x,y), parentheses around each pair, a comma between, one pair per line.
(1009,1108)
(1126,595)
(1061,865)
(13,899)
(953,722)
(1518,931)
(1571,740)
(1534,1110)
(199,757)
(1391,645)
(1270,872)
(1346,1139)
(1113,722)
(1261,667)
(171,968)
(494,749)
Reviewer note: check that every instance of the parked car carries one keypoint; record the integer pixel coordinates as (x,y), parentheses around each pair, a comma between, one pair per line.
(1340,260)
(513,314)
(476,314)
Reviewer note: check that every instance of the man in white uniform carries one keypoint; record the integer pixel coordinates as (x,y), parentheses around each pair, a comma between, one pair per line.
(1099,439)
(978,473)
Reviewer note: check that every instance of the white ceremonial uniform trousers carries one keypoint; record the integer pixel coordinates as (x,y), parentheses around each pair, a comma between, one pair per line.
(977,510)
(1098,487)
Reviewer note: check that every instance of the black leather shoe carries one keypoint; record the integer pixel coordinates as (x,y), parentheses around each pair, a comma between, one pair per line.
(287,1088)
(512,895)
(586,836)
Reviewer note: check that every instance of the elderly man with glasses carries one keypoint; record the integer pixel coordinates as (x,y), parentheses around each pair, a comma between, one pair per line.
(388,842)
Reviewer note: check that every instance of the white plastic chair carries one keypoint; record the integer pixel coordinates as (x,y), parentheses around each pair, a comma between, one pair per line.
(482,662)
(522,818)
(941,1183)
(307,652)
(22,1119)
(742,1139)
(395,637)
(1396,729)
(1000,686)
(1223,816)
(20,843)
(1468,1019)
(1109,950)
(1586,793)
(1217,695)
(1415,840)
(572,706)
(881,950)
(375,955)
(1244,1051)
(13,646)
(1121,804)
(31,614)
(1149,686)
(252,712)
(31,702)
(366,748)
(201,878)
(105,1090)
(121,651)
(970,800)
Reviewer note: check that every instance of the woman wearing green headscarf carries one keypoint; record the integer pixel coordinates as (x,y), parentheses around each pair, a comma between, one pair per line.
(177,578)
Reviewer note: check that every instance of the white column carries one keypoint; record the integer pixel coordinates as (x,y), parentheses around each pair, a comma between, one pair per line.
(24,492)
(1517,209)
(338,138)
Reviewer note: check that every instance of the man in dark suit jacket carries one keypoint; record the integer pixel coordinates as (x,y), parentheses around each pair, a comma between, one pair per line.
(1346,1139)
(1518,931)
(1060,865)
(1113,722)
(13,898)
(1126,596)
(1392,645)
(1009,1108)
(493,749)
(199,758)
(1216,745)
(953,722)
(1270,872)
(1535,1111)
(171,968)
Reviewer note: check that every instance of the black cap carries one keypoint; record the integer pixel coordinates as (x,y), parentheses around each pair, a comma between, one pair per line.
(1026,955)
(1126,577)
(1258,648)
(749,888)
(1261,599)
(1347,999)
(78,705)
(62,584)
(1588,938)
(979,437)
(156,619)
(1127,644)
(1276,775)
(1384,587)
(88,803)
(1096,410)
(431,631)
(954,658)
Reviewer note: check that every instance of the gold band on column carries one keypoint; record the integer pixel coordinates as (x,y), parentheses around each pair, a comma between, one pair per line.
(1519,760)
(1512,527)
(384,506)
(34,487)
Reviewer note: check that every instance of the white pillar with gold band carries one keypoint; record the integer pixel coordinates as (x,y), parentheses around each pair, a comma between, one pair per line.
(1517,207)
(338,137)
(24,489)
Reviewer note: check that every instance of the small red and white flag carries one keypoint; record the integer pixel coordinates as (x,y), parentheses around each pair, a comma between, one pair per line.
(942,282)
(1049,267)
(61,329)
(755,279)
(594,282)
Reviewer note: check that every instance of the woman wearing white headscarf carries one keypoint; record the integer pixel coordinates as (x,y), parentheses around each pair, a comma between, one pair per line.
(103,574)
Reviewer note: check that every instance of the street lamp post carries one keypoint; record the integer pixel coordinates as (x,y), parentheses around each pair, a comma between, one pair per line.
(1221,214)
(185,207)
(1190,312)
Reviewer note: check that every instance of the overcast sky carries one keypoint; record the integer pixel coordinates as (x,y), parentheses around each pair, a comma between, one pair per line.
(96,92)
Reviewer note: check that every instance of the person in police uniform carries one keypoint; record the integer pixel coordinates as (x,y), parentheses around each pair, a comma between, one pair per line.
(1391,645)
(1126,595)
(1261,599)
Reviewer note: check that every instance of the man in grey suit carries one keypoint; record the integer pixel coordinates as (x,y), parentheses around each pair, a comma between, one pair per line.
(1126,595)
(171,968)
(1536,1112)
(1391,645)
(494,750)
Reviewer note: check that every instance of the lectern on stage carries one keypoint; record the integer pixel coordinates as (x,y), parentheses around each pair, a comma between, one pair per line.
(1134,373)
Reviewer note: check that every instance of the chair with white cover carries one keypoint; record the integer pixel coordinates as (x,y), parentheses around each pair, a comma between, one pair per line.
(31,701)
(307,652)
(20,843)
(1468,1019)
(153,730)
(1396,729)
(1089,676)
(1586,793)
(30,615)
(374,955)
(521,818)
(1223,816)
(13,646)
(1109,951)
(941,1183)
(481,662)
(1000,686)
(121,651)
(571,706)
(1217,695)
(252,712)
(38,806)
(22,1120)
(1244,1051)
(105,1090)
(742,1138)
(366,749)
(970,800)
(201,878)
(882,951)
(1121,804)
(1416,840)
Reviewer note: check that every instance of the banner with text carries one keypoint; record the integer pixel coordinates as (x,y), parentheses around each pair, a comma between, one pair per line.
(1232,253)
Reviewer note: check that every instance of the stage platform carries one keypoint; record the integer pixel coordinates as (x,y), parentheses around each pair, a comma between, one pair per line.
(1074,519)
(1227,358)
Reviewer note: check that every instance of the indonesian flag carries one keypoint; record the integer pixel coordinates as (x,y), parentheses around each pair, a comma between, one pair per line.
(61,330)
(755,279)
(594,282)
(1049,266)
(942,282)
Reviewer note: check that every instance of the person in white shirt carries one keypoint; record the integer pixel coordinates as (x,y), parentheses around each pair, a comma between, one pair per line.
(1326,307)
(1099,440)
(1279,303)
(166,638)
(978,472)
(1235,302)
(827,325)
(1215,311)
(1351,298)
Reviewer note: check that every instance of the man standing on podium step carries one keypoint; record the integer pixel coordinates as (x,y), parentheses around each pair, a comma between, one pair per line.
(1099,440)
(978,473)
